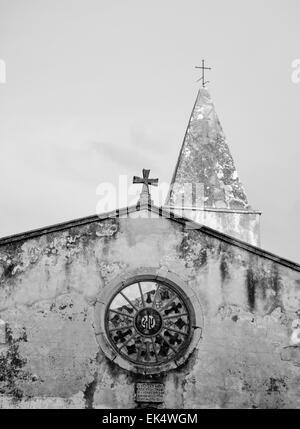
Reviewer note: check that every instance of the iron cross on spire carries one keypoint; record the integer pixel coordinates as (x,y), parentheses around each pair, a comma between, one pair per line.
(203,68)
(145,197)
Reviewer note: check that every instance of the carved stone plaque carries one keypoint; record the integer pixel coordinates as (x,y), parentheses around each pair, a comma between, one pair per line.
(149,392)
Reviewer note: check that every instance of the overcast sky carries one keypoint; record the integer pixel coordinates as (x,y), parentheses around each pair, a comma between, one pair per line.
(99,88)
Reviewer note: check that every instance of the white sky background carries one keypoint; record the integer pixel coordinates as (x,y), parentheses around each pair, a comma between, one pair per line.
(100,88)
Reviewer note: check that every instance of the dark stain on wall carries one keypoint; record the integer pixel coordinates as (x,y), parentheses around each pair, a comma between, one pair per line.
(90,391)
(276,284)
(13,258)
(202,258)
(251,288)
(224,268)
(11,366)
(267,283)
(274,385)
(8,270)
(194,249)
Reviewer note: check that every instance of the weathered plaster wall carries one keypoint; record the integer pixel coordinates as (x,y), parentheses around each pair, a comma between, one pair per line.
(48,288)
(244,226)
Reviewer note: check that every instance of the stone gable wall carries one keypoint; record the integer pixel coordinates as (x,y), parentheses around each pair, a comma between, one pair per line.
(49,356)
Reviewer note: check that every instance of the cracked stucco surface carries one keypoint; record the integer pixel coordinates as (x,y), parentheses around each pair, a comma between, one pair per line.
(48,288)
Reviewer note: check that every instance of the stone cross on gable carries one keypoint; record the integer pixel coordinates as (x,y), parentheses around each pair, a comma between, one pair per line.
(145,197)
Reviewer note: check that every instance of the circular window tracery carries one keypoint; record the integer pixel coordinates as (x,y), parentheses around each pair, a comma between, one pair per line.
(149,322)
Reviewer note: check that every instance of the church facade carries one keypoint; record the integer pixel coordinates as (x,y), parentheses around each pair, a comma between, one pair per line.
(169,307)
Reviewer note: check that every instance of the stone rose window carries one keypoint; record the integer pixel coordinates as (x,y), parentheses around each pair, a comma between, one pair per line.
(148,323)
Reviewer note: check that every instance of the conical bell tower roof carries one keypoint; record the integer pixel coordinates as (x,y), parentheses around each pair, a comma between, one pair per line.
(205,175)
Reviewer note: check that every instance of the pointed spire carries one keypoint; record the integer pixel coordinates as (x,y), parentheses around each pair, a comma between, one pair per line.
(205,175)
